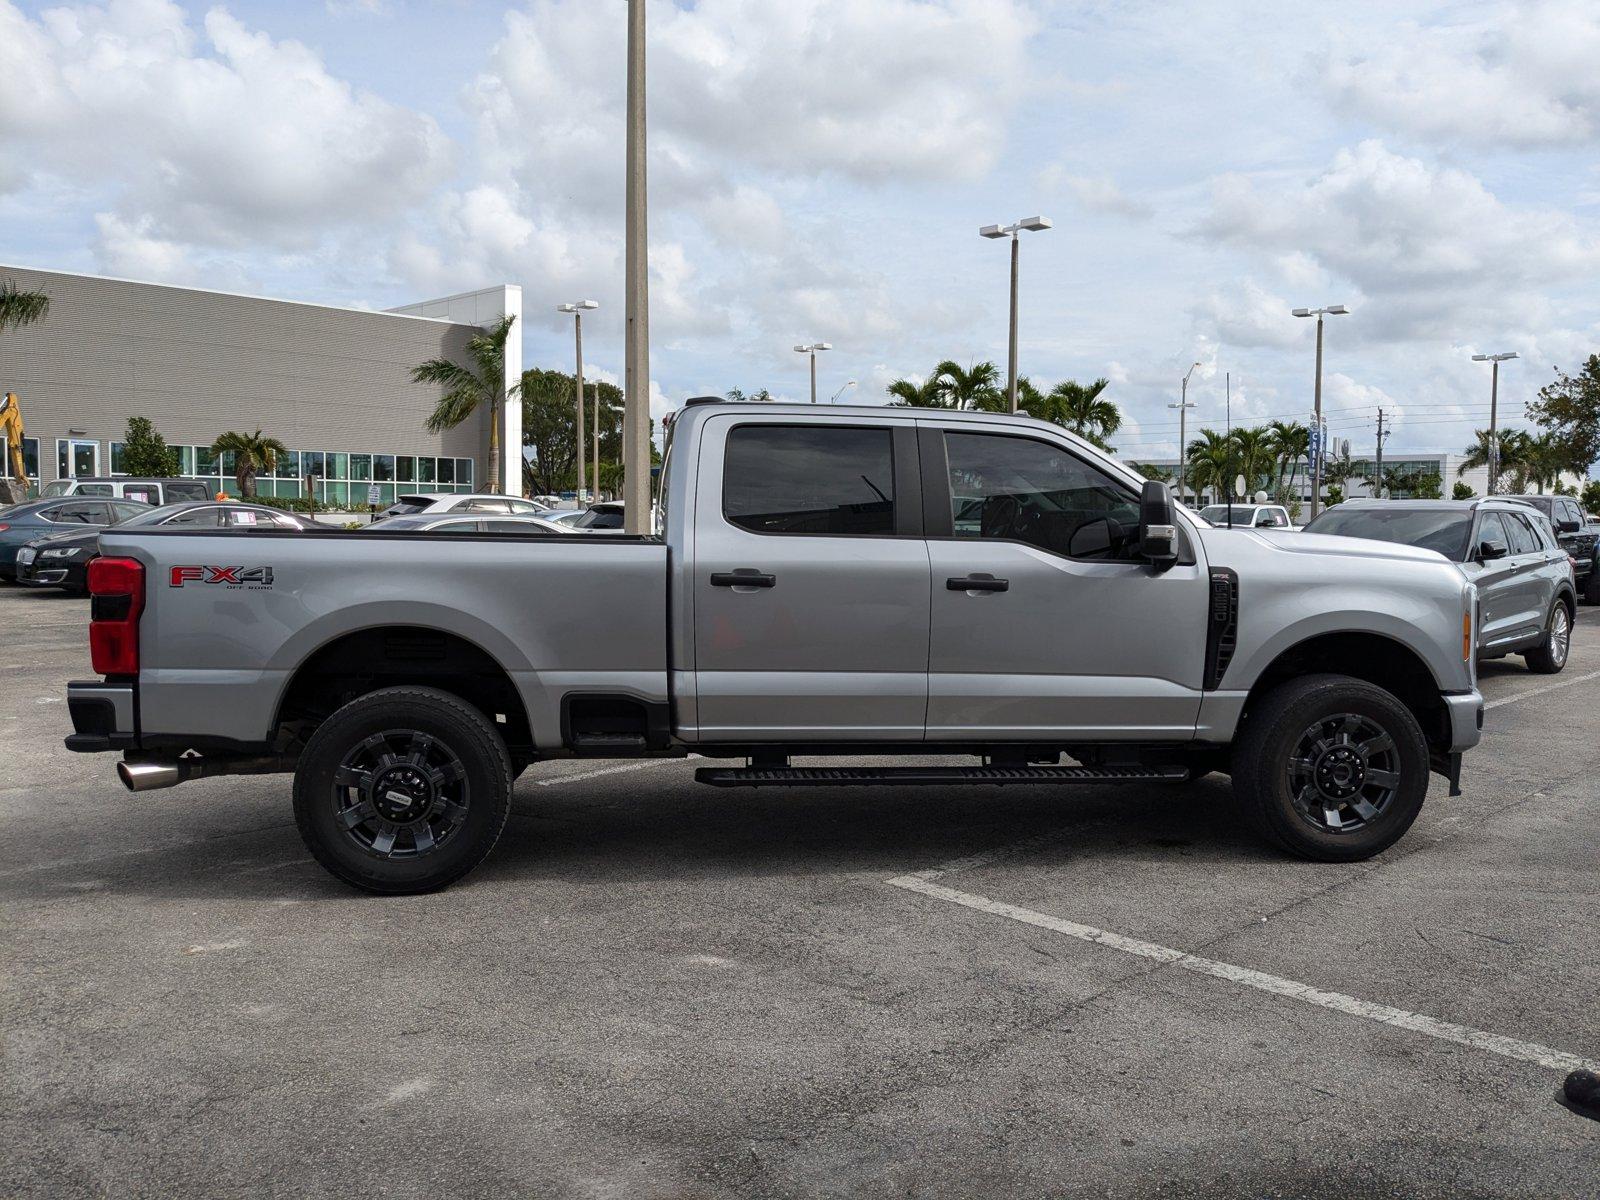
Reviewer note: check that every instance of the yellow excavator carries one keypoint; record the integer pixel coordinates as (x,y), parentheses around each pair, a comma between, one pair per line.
(15,489)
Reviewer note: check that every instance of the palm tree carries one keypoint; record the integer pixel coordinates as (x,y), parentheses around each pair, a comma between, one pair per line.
(1291,442)
(917,395)
(1255,450)
(1546,457)
(19,308)
(1151,471)
(1514,450)
(1211,457)
(976,388)
(251,453)
(1079,408)
(466,388)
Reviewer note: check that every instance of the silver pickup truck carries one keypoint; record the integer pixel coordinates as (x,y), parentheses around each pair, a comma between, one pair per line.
(842,582)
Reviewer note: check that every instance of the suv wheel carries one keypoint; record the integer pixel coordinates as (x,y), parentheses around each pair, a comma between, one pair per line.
(402,790)
(1550,655)
(1331,768)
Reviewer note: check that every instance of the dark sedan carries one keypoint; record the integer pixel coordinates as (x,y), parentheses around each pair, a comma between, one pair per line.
(62,559)
(24,523)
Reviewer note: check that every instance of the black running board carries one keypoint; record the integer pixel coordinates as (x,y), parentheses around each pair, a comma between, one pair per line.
(930,776)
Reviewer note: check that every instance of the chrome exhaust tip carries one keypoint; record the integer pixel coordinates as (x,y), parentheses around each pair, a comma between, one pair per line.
(148,776)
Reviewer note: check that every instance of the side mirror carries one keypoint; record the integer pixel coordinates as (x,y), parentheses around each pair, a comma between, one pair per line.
(1158,525)
(1568,526)
(1092,538)
(1490,549)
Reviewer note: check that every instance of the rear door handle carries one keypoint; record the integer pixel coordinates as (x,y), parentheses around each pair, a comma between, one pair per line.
(743,577)
(977,583)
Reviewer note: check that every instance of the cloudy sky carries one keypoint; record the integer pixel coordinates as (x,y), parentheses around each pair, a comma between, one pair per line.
(820,168)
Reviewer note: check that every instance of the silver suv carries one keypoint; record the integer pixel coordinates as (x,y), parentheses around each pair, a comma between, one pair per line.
(1526,591)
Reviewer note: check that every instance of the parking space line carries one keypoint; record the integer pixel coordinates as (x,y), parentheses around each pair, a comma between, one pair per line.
(1540,691)
(578,776)
(1477,1039)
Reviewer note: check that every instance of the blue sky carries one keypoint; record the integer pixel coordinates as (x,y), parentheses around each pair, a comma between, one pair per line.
(820,168)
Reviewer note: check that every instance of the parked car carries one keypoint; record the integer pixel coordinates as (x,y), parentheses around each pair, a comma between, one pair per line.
(1527,596)
(1575,537)
(1250,516)
(809,595)
(22,523)
(464,523)
(413,503)
(604,517)
(62,559)
(122,487)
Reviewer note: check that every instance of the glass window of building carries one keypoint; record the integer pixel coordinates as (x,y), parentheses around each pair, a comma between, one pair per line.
(383,467)
(424,470)
(361,467)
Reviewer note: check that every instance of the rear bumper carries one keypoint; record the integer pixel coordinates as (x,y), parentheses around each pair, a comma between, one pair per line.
(104,716)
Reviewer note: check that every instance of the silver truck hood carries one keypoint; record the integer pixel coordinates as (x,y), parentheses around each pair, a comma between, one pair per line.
(1320,544)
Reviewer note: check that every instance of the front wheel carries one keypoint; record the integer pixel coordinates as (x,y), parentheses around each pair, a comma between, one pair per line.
(1331,768)
(402,790)
(1550,655)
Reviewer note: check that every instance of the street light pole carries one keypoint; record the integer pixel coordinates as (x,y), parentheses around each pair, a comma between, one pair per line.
(577,308)
(1183,406)
(811,348)
(636,370)
(596,442)
(1332,310)
(834,399)
(1013,232)
(1494,414)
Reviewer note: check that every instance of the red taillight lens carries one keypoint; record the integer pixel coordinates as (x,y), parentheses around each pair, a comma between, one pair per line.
(116,588)
(4,527)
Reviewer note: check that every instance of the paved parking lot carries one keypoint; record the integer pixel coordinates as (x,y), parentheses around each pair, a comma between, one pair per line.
(654,988)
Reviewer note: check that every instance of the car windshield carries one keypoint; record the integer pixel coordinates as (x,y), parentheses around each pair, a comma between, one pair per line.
(1442,529)
(1217,514)
(56,487)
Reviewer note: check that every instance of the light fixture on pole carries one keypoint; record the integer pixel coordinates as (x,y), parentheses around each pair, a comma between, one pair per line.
(811,348)
(636,429)
(1332,310)
(842,391)
(1494,414)
(577,308)
(1013,231)
(1183,406)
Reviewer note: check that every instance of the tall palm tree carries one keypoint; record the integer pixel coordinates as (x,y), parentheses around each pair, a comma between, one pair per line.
(1080,408)
(1514,450)
(1255,455)
(1291,442)
(1211,459)
(1546,457)
(917,395)
(467,388)
(19,308)
(975,388)
(251,453)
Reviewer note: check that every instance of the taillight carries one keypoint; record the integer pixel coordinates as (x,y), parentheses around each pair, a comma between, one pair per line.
(4,527)
(116,590)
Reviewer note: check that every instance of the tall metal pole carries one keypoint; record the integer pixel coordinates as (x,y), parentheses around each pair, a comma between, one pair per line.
(636,382)
(1322,450)
(1494,432)
(597,441)
(1011,361)
(1380,455)
(1183,436)
(577,328)
(813,377)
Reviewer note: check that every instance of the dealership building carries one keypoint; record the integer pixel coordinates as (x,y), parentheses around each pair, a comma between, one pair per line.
(332,384)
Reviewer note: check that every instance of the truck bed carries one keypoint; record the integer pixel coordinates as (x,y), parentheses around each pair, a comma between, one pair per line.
(229,616)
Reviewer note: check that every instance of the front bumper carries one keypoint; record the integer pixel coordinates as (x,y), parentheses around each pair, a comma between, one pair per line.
(33,577)
(104,716)
(1465,713)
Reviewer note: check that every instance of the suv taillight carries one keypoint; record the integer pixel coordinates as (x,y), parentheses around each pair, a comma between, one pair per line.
(116,588)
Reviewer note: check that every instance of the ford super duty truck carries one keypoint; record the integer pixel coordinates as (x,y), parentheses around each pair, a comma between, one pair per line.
(840,582)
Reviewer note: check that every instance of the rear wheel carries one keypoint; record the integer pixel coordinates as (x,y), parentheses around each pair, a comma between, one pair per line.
(1550,655)
(1331,768)
(402,790)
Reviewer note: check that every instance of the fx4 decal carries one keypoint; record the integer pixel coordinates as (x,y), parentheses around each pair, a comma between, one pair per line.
(231,577)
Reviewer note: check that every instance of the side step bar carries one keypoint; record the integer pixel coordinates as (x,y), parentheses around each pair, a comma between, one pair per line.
(930,776)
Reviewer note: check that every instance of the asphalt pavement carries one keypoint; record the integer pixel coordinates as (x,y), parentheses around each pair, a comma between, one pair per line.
(659,989)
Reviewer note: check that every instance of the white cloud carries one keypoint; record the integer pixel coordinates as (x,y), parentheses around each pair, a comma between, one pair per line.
(1248,315)
(218,135)
(1520,75)
(1096,193)
(133,251)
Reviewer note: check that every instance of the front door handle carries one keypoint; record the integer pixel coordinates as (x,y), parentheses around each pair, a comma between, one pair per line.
(743,577)
(980,582)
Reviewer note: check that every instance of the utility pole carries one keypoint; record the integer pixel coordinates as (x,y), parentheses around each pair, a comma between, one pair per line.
(1013,231)
(1183,406)
(636,370)
(1336,310)
(1381,436)
(1494,415)
(597,441)
(577,308)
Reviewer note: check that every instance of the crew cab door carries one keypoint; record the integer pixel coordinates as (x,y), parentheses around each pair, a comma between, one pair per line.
(810,582)
(1036,634)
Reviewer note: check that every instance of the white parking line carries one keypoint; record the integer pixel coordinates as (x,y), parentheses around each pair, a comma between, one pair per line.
(1540,691)
(1494,1043)
(595,774)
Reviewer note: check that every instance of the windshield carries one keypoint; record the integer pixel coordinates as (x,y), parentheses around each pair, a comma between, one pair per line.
(1217,514)
(56,487)
(1442,529)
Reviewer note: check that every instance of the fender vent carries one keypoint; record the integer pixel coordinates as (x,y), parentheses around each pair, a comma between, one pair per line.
(1222,626)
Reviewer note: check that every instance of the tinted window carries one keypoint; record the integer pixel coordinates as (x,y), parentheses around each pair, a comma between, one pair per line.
(834,479)
(121,511)
(82,512)
(1523,539)
(506,526)
(94,489)
(195,518)
(1569,512)
(1444,530)
(486,506)
(603,518)
(461,525)
(526,508)
(178,490)
(145,493)
(1022,490)
(56,487)
(1491,529)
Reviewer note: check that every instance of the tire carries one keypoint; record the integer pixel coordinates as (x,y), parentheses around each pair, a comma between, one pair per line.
(1331,731)
(1550,655)
(402,790)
